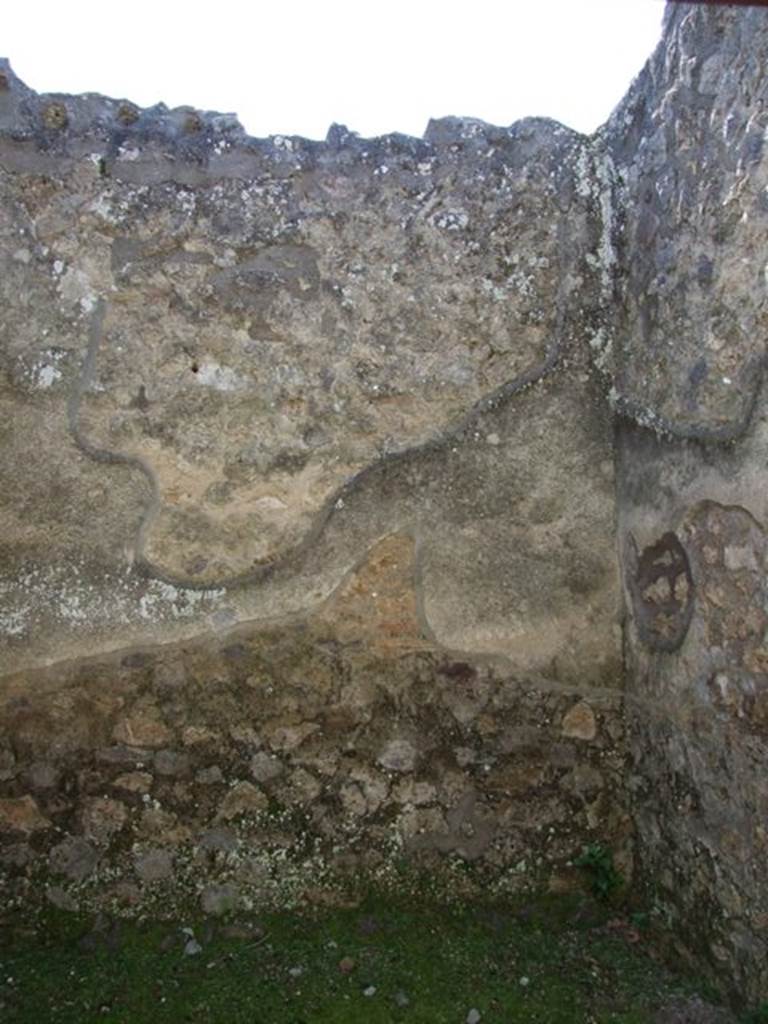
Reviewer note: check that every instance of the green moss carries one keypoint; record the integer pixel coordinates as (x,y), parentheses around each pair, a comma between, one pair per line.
(606,881)
(553,961)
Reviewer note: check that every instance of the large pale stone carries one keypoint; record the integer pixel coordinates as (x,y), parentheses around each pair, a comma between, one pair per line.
(579,722)
(74,858)
(102,817)
(242,798)
(399,755)
(142,730)
(22,814)
(154,865)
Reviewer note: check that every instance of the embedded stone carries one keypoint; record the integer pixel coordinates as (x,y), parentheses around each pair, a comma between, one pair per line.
(416,792)
(168,676)
(353,800)
(266,767)
(7,765)
(242,798)
(21,814)
(302,787)
(134,782)
(122,756)
(580,722)
(162,826)
(398,756)
(583,780)
(171,762)
(142,731)
(218,840)
(220,899)
(16,855)
(415,822)
(288,737)
(61,899)
(374,785)
(102,817)
(737,558)
(43,775)
(154,865)
(74,858)
(246,735)
(197,735)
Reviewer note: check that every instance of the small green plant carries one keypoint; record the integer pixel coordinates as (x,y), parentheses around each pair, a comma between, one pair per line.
(605,879)
(758,1016)
(640,919)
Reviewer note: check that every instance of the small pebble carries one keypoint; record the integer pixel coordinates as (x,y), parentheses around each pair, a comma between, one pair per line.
(296,972)
(525,982)
(370,991)
(192,947)
(401,999)
(346,965)
(474,1017)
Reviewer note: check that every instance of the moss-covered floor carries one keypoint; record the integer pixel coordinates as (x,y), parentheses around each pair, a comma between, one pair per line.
(560,961)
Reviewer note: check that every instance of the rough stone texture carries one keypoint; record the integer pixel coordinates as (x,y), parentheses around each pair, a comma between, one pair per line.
(688,149)
(306,553)
(231,366)
(21,815)
(335,760)
(336,468)
(154,865)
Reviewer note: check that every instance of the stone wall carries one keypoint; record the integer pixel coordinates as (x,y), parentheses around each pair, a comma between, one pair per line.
(362,494)
(297,764)
(231,366)
(689,148)
(308,574)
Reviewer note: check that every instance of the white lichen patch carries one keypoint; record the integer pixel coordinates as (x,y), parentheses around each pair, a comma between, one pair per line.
(46,376)
(220,378)
(75,287)
(163,600)
(46,372)
(601,344)
(451,220)
(67,596)
(14,623)
(187,201)
(596,178)
(493,291)
(116,207)
(584,182)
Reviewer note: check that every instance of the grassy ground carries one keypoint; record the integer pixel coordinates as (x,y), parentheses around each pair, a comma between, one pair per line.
(562,961)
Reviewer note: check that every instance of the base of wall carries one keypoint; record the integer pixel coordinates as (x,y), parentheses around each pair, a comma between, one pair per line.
(285,766)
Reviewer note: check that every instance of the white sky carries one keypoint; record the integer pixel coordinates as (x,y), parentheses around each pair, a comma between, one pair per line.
(293,67)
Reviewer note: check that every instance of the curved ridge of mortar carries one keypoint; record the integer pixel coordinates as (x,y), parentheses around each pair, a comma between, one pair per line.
(647,418)
(261,573)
